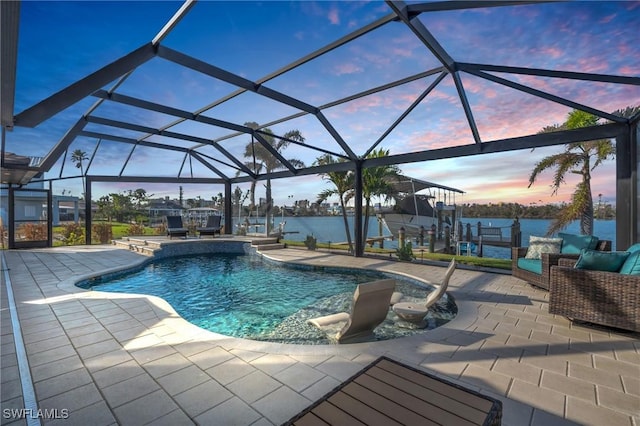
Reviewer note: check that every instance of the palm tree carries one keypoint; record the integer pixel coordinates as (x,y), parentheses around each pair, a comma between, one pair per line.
(261,158)
(78,156)
(376,182)
(579,158)
(343,182)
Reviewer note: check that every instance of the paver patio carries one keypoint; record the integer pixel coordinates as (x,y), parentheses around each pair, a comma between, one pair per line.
(131,360)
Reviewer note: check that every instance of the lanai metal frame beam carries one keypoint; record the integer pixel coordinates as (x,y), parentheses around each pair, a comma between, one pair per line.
(524,142)
(79,90)
(156,179)
(63,144)
(547,96)
(402,116)
(197,117)
(169,134)
(569,75)
(604,131)
(248,85)
(148,144)
(441,6)
(9,22)
(425,36)
(313,55)
(341,101)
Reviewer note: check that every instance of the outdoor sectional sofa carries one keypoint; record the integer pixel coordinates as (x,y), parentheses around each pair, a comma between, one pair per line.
(538,271)
(606,297)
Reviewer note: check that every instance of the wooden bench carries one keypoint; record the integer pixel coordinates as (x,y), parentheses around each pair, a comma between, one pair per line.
(389,393)
(491,232)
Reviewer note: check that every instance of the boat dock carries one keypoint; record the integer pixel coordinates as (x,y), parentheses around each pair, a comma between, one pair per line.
(497,236)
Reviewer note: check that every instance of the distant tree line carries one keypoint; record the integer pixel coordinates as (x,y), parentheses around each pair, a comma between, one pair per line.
(535,211)
(126,206)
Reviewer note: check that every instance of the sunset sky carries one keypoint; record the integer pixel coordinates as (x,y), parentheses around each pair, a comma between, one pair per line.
(61,42)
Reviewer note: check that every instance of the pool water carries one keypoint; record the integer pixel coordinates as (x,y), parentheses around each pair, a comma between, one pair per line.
(248,297)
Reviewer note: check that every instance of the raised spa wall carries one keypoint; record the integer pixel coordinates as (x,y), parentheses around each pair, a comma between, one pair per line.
(164,249)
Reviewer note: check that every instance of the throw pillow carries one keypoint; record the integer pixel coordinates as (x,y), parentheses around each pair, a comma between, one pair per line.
(609,261)
(631,266)
(573,244)
(634,248)
(538,245)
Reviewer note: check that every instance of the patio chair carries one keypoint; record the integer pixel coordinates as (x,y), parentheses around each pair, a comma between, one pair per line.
(212,227)
(604,297)
(369,309)
(415,312)
(175,227)
(537,271)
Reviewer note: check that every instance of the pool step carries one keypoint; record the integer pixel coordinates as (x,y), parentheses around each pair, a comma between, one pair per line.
(271,246)
(139,246)
(264,241)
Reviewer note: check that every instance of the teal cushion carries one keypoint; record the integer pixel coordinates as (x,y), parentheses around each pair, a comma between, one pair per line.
(610,261)
(594,243)
(634,248)
(531,265)
(631,266)
(573,244)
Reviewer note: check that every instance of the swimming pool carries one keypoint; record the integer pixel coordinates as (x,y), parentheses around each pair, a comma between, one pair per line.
(246,296)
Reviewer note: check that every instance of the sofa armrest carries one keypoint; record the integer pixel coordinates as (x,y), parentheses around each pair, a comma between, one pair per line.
(551,259)
(606,298)
(518,252)
(566,262)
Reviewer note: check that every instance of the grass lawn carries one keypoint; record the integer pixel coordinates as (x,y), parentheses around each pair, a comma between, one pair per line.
(486,262)
(118,230)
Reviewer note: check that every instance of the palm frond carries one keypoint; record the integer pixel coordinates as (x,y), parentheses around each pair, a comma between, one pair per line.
(325,194)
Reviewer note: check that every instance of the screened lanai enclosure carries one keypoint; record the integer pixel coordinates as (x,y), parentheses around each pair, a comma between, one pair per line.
(226,94)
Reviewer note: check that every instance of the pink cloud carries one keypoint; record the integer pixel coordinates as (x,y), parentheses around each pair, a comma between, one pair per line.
(397,51)
(361,104)
(333,16)
(593,65)
(607,19)
(347,68)
(474,85)
(627,70)
(375,59)
(548,51)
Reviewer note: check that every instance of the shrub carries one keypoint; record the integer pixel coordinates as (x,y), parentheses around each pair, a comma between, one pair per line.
(4,237)
(405,253)
(102,232)
(161,229)
(73,234)
(34,231)
(135,229)
(311,242)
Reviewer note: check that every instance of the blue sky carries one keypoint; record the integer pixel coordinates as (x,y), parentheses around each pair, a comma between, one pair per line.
(61,42)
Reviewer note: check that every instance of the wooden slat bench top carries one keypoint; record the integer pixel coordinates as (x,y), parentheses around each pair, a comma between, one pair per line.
(389,393)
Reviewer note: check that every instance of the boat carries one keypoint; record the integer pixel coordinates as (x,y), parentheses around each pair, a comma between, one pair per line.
(415,212)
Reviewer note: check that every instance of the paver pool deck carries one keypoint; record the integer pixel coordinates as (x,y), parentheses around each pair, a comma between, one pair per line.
(104,359)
